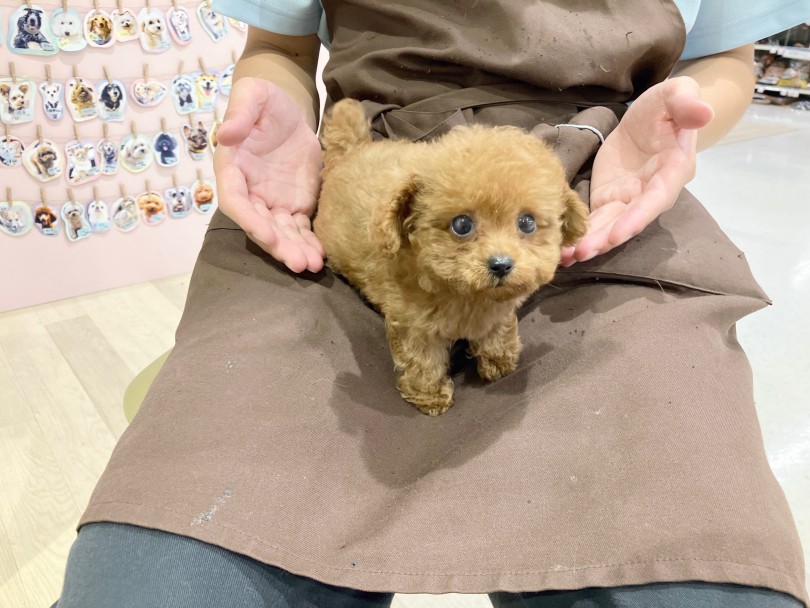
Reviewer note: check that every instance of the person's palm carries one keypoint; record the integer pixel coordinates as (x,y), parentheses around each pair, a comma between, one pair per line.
(268,163)
(642,166)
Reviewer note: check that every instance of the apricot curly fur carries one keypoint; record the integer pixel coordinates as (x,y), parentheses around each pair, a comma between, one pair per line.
(384,218)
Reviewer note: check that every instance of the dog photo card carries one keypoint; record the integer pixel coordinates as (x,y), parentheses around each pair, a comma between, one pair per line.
(154,33)
(225,79)
(214,24)
(212,134)
(76,225)
(98,215)
(152,207)
(148,94)
(82,162)
(124,214)
(46,219)
(135,154)
(16,218)
(11,151)
(178,201)
(67,26)
(29,32)
(179,25)
(164,146)
(196,139)
(206,85)
(81,99)
(43,160)
(53,104)
(17,99)
(108,156)
(112,100)
(125,25)
(184,94)
(98,29)
(204,195)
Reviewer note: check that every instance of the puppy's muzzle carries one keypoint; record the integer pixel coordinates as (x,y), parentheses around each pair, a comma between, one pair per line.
(500,265)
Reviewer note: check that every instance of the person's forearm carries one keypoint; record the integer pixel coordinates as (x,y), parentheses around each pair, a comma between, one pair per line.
(289,62)
(726,83)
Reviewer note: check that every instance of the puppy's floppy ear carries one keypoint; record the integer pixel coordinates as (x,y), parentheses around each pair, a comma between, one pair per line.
(388,224)
(574,215)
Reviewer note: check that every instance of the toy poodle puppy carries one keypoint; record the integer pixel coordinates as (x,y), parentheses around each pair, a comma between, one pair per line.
(446,238)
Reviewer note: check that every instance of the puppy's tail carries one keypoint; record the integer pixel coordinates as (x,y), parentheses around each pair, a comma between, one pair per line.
(344,128)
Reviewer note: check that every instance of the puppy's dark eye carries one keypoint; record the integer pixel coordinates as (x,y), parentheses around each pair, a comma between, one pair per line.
(526,223)
(462,225)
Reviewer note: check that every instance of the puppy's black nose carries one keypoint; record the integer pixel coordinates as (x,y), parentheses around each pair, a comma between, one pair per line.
(500,265)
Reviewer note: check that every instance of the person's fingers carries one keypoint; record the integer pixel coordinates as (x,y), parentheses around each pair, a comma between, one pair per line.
(244,107)
(684,106)
(595,240)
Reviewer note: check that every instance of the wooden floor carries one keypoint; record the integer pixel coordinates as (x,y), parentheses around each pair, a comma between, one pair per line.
(63,370)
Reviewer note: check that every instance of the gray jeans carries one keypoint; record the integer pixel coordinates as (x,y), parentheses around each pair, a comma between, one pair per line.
(121,566)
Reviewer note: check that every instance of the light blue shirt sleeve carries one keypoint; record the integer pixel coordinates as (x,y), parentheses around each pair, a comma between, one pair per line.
(288,17)
(714,26)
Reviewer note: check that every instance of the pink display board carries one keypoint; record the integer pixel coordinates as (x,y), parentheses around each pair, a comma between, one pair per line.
(108,116)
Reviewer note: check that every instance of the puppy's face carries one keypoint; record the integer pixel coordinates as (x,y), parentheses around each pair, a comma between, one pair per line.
(17,96)
(101,25)
(488,215)
(151,204)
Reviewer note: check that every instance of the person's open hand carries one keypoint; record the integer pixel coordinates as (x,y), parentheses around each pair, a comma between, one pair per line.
(641,168)
(268,163)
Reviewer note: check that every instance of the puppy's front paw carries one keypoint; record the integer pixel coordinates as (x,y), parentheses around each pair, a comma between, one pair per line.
(492,368)
(432,400)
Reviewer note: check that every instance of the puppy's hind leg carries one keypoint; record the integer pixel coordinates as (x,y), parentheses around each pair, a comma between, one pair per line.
(422,360)
(499,351)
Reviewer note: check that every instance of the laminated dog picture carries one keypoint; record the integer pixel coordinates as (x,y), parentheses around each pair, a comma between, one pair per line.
(135,154)
(76,225)
(446,237)
(124,214)
(152,207)
(196,139)
(165,147)
(82,162)
(179,25)
(108,156)
(204,195)
(46,219)
(98,216)
(125,25)
(29,32)
(225,79)
(68,29)
(148,94)
(184,94)
(81,99)
(53,104)
(154,32)
(17,99)
(11,151)
(112,100)
(178,202)
(212,134)
(43,160)
(16,218)
(214,24)
(98,29)
(240,26)
(206,85)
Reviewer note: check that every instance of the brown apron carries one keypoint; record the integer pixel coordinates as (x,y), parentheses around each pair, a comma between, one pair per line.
(624,450)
